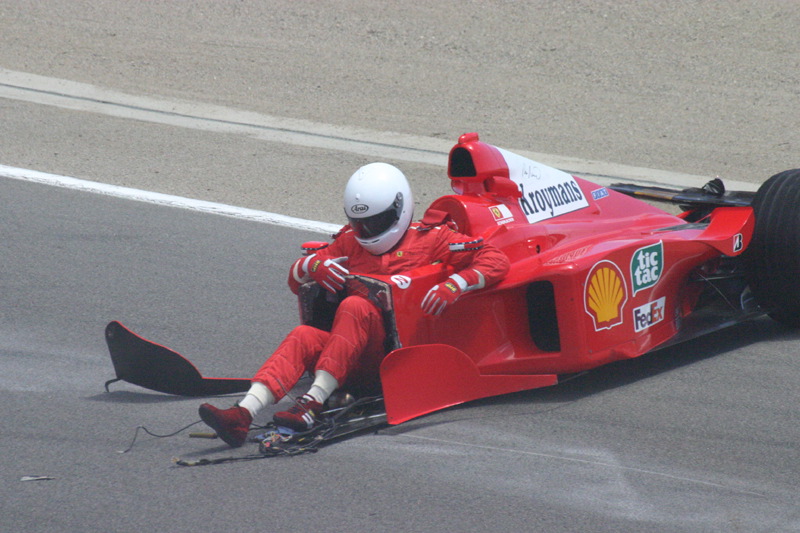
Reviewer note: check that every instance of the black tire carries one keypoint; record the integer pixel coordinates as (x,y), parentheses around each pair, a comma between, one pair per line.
(773,257)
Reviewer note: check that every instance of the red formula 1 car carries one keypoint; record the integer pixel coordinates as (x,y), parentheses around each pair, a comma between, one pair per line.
(597,275)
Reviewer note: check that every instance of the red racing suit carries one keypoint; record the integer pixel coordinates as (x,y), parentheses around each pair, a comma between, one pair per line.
(354,348)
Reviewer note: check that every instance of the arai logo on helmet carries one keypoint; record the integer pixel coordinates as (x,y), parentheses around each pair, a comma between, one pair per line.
(359,208)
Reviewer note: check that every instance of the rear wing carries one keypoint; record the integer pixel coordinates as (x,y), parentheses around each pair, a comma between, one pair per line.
(712,194)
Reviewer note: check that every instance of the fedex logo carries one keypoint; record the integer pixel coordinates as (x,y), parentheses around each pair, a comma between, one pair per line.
(648,314)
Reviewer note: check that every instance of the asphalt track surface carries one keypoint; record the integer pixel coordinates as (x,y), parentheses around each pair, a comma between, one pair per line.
(700,437)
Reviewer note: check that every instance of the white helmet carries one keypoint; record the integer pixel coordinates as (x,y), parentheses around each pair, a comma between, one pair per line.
(379,206)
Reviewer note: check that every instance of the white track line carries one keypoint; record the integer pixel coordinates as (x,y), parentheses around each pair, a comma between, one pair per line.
(83,97)
(167,200)
(77,96)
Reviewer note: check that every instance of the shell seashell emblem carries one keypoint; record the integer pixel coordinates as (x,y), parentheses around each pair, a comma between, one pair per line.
(605,295)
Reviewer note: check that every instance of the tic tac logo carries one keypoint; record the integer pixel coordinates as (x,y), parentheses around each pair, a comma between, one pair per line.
(648,314)
(646,266)
(605,295)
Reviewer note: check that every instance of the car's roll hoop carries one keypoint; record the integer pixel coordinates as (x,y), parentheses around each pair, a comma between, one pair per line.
(475,167)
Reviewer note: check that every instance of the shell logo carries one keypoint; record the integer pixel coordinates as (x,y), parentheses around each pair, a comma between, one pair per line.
(605,295)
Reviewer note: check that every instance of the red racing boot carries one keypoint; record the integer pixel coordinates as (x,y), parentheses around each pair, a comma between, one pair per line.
(301,416)
(231,424)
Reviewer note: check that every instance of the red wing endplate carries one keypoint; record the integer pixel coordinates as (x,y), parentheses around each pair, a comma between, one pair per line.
(155,367)
(418,380)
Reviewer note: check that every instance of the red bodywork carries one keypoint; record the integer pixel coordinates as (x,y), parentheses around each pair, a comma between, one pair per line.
(609,279)
(596,276)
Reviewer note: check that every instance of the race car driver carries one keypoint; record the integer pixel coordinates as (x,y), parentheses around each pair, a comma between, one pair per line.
(379,239)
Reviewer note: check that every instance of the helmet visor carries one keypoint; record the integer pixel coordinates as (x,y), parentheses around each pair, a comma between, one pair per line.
(372,226)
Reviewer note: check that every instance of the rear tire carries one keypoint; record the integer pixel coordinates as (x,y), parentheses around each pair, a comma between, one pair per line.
(773,258)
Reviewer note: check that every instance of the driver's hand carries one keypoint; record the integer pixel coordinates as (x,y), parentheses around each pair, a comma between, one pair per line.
(327,272)
(440,296)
